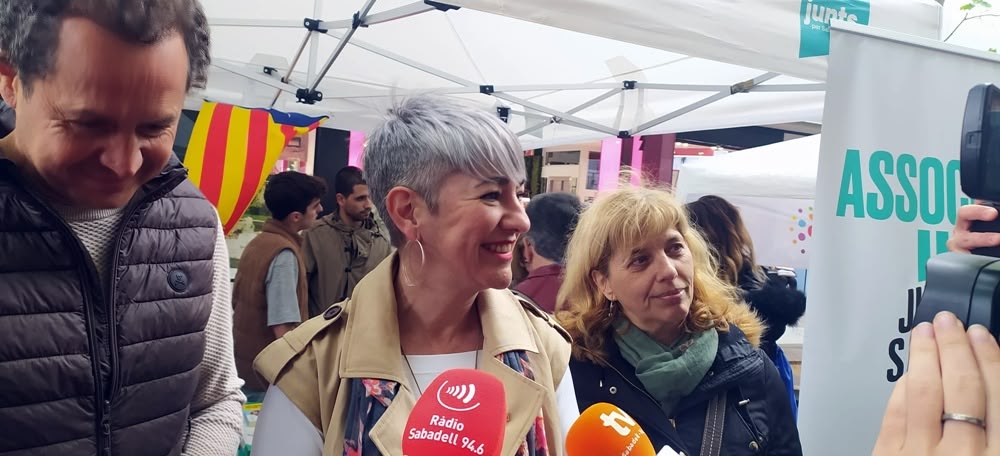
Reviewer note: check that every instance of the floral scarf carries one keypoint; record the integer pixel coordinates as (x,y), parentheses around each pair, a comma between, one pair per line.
(369,399)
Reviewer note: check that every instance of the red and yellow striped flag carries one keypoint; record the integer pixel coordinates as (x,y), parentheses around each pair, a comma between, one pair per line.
(233,149)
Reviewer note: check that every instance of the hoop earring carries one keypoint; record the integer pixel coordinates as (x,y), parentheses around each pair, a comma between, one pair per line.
(407,280)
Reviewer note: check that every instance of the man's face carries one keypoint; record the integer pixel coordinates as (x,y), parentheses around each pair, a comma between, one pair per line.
(102,123)
(308,220)
(357,205)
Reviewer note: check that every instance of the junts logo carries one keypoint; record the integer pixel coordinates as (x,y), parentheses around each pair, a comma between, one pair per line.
(457,397)
(815,18)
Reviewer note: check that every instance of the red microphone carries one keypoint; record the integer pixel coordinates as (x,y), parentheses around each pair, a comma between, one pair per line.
(462,413)
(605,430)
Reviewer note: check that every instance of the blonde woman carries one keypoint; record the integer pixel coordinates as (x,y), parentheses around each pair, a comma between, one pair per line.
(657,333)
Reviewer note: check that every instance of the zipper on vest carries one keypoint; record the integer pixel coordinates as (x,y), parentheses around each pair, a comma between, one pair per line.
(106,427)
(130,212)
(88,272)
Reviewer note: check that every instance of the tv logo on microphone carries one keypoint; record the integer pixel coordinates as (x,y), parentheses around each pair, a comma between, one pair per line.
(458,397)
(615,420)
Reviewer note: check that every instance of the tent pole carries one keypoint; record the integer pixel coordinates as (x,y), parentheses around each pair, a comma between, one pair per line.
(411,63)
(563,117)
(817,87)
(359,19)
(745,86)
(255,76)
(291,68)
(314,42)
(401,12)
(575,110)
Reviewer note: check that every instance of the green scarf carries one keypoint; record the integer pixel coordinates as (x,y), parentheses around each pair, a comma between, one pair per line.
(669,373)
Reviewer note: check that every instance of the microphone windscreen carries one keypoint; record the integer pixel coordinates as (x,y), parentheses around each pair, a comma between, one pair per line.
(606,430)
(463,412)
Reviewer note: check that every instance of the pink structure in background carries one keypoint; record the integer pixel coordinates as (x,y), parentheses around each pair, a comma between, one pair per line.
(636,161)
(356,149)
(611,161)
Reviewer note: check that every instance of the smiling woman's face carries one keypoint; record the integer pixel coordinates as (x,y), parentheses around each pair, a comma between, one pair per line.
(470,237)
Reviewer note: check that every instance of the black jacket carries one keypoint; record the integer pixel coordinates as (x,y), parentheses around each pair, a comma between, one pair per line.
(6,119)
(778,305)
(758,416)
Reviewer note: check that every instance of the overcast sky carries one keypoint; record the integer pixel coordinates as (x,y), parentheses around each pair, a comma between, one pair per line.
(980,33)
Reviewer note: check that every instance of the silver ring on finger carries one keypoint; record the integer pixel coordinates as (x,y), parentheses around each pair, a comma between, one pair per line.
(963,418)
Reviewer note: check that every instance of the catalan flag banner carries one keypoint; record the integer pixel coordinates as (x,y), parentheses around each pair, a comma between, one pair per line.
(232,150)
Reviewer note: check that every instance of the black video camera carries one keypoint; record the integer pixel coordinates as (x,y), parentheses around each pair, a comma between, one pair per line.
(969,285)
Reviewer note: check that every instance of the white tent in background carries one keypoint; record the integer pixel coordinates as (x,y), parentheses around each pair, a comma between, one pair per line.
(774,186)
(610,68)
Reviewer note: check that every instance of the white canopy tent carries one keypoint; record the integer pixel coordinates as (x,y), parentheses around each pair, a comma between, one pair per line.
(774,186)
(709,64)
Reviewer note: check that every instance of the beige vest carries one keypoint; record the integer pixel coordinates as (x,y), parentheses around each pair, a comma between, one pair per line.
(359,338)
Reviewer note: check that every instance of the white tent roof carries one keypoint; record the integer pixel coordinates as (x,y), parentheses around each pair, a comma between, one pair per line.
(781,170)
(562,84)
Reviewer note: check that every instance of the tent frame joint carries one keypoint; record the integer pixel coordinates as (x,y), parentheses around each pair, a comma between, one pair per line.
(503,112)
(313,25)
(356,21)
(308,96)
(743,87)
(486,89)
(441,6)
(624,134)
(629,85)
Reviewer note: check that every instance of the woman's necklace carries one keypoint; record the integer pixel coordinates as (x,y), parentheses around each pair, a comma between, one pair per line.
(413,375)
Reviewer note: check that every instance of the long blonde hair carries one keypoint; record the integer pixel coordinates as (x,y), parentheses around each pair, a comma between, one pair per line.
(619,221)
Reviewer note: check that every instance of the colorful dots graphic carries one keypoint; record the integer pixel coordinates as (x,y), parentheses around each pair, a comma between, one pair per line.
(801,228)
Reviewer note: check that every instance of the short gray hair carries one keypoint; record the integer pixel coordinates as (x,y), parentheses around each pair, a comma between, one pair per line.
(426,139)
(29,30)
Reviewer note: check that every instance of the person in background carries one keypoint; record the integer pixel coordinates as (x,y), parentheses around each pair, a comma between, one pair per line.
(345,245)
(445,177)
(116,328)
(270,292)
(774,297)
(553,216)
(658,334)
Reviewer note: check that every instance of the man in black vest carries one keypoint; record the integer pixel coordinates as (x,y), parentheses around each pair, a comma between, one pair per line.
(115,325)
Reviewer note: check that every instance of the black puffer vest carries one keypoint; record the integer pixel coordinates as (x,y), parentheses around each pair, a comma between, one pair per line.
(103,368)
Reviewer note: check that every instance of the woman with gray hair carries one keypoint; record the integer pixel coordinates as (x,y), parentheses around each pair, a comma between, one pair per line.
(445,178)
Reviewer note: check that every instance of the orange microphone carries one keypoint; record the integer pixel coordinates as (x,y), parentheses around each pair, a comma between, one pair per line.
(606,430)
(462,413)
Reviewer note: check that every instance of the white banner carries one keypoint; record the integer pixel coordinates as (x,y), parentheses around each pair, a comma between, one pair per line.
(781,228)
(887,192)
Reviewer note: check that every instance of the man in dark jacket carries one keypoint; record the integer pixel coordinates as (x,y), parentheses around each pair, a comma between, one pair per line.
(345,245)
(115,327)
(553,217)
